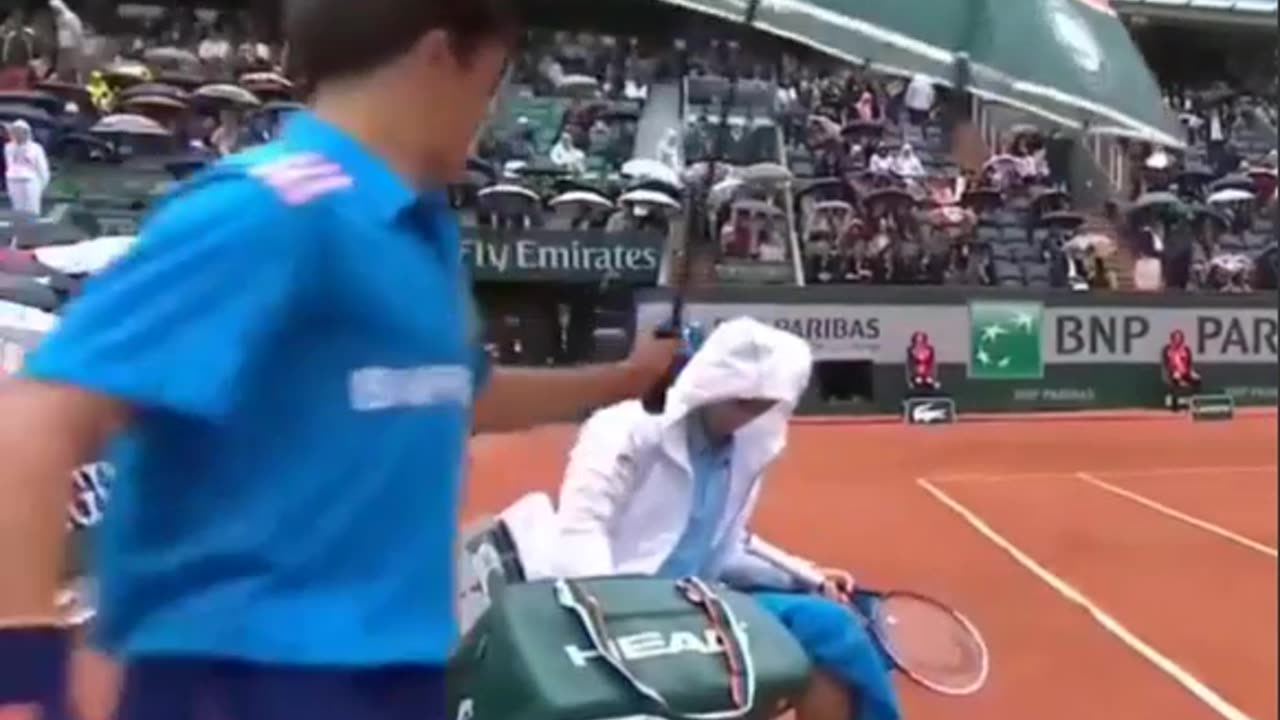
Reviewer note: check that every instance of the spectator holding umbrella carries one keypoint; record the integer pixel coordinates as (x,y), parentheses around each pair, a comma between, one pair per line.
(26,169)
(17,51)
(70,41)
(226,137)
(919,98)
(1180,376)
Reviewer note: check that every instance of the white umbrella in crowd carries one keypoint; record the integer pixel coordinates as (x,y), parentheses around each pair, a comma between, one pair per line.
(128,124)
(646,169)
(88,257)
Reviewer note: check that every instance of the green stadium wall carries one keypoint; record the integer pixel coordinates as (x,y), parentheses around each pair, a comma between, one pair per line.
(1009,351)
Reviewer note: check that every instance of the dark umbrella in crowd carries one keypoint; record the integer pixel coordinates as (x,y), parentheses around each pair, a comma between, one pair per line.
(170,57)
(888,196)
(154,89)
(48,102)
(10,112)
(1234,181)
(226,95)
(29,292)
(159,103)
(1159,204)
(766,173)
(68,92)
(267,85)
(126,73)
(1063,219)
(859,130)
(188,81)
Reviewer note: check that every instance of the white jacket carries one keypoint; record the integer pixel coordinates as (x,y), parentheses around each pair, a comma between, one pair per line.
(628,489)
(26,162)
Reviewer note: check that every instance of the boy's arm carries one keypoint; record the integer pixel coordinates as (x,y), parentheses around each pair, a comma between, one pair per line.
(46,431)
(517,398)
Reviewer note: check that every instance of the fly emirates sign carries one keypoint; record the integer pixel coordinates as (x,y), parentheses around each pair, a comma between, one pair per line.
(563,256)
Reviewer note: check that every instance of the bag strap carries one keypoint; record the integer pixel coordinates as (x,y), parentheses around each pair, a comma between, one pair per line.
(729,632)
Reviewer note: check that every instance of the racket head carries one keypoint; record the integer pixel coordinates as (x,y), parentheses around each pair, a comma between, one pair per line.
(931,643)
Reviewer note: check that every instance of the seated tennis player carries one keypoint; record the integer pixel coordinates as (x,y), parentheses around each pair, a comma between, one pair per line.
(672,495)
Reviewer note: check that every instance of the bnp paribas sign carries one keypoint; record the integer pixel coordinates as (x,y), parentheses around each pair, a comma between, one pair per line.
(562,256)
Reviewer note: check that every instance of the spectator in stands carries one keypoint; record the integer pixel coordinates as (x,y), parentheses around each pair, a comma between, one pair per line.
(881,162)
(226,138)
(26,169)
(736,238)
(215,49)
(1101,277)
(921,365)
(519,143)
(70,31)
(565,154)
(919,99)
(906,164)
(1180,377)
(867,109)
(17,52)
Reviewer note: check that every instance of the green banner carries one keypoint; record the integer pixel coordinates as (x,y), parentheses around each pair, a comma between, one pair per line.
(562,256)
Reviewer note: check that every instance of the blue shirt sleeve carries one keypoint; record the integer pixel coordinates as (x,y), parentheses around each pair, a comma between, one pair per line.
(175,324)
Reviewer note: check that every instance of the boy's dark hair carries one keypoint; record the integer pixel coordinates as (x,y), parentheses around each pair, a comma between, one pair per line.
(330,39)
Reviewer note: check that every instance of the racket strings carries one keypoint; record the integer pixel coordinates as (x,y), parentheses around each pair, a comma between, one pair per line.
(931,642)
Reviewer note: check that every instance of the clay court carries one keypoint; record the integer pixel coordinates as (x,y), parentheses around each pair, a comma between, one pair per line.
(1121,566)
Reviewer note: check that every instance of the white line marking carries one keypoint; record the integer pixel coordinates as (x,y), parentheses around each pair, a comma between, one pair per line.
(1137,473)
(1188,681)
(1178,514)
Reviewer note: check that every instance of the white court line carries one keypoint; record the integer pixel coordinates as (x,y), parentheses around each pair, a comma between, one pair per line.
(1167,511)
(1193,685)
(1137,473)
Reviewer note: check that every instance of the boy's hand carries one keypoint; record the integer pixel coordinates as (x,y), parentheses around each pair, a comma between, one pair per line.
(838,586)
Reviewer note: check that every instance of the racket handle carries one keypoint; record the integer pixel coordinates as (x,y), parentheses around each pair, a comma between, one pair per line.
(805,572)
(654,400)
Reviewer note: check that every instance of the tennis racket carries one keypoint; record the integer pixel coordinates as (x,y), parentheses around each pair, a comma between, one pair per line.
(925,639)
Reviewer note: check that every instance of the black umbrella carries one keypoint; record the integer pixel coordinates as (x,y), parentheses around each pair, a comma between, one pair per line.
(481,167)
(282,106)
(28,291)
(1195,175)
(156,89)
(1235,181)
(1156,200)
(1050,196)
(863,128)
(831,188)
(185,81)
(982,198)
(48,102)
(1202,213)
(889,195)
(655,185)
(1063,219)
(67,92)
(10,112)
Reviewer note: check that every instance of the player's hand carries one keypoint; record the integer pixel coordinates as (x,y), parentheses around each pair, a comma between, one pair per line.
(650,360)
(838,585)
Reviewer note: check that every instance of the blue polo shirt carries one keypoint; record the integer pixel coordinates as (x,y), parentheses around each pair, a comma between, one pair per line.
(295,332)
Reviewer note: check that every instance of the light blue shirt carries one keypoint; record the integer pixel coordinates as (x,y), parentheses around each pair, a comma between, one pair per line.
(293,330)
(695,550)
